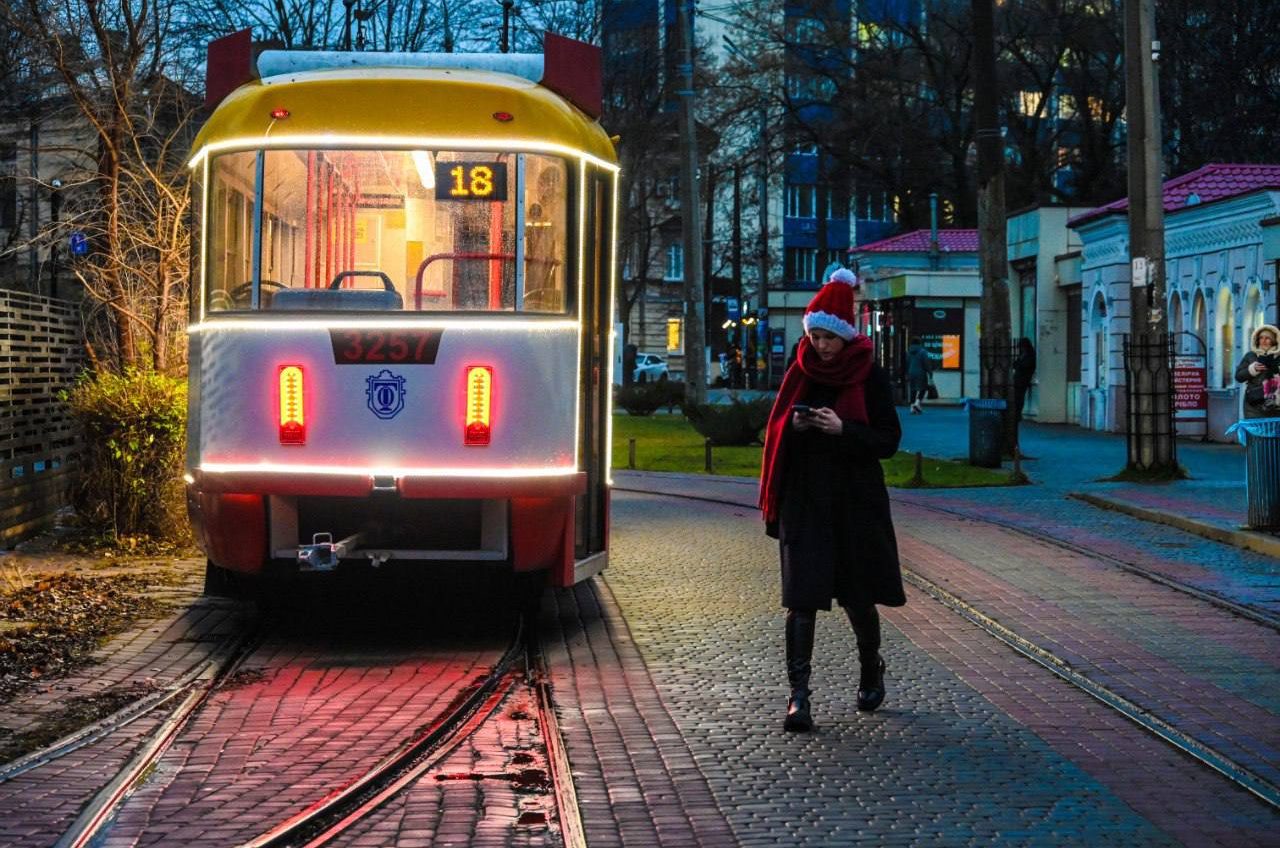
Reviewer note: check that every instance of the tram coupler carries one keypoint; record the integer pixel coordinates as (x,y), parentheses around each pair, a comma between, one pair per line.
(323,554)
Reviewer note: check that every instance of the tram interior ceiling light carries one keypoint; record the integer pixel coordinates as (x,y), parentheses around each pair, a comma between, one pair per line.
(279,114)
(477,428)
(422,160)
(293,425)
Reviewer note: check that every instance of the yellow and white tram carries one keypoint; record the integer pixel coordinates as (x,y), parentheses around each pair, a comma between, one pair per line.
(402,315)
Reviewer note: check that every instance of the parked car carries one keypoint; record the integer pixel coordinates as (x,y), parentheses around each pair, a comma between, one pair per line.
(649,367)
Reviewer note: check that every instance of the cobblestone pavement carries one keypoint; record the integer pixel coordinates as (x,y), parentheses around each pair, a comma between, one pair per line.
(36,807)
(308,712)
(976,744)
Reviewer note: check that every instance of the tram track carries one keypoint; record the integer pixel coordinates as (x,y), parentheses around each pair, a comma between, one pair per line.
(205,681)
(1144,717)
(521,667)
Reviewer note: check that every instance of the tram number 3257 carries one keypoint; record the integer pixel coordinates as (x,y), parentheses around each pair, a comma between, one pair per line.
(363,347)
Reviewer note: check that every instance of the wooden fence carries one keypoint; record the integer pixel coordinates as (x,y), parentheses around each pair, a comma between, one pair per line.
(40,354)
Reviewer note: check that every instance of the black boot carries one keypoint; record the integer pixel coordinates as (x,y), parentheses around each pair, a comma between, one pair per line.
(866,627)
(800,624)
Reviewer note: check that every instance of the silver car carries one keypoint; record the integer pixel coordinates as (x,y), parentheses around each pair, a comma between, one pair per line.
(649,367)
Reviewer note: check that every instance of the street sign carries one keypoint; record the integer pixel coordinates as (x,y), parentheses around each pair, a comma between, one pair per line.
(78,244)
(735,308)
(1140,273)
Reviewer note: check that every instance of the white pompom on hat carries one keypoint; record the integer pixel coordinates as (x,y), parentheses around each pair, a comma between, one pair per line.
(832,307)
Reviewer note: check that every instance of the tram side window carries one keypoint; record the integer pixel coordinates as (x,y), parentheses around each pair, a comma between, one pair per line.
(546,197)
(230,234)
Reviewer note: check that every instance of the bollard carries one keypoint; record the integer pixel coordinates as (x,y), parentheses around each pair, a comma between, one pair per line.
(918,479)
(707,447)
(631,454)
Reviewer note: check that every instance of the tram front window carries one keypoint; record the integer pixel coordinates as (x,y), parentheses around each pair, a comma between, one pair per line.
(413,230)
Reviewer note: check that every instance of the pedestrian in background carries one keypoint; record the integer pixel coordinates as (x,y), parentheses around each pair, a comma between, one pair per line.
(823,496)
(1259,370)
(919,367)
(1024,369)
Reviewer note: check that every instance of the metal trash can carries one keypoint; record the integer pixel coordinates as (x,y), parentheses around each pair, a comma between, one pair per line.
(1261,439)
(986,425)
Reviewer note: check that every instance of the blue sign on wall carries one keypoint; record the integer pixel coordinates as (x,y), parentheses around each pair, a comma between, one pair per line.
(79,244)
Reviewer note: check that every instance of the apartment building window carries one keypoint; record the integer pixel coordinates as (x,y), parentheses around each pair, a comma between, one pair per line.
(675,262)
(802,264)
(802,201)
(8,186)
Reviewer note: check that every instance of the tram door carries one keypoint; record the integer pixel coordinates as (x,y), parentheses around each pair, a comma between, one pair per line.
(597,311)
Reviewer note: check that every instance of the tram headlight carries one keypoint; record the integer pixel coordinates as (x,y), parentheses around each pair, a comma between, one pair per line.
(293,423)
(476,429)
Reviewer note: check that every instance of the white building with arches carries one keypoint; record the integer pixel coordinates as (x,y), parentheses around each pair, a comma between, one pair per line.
(1222,262)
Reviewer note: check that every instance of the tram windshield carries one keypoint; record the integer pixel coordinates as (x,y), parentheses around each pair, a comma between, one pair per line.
(411,230)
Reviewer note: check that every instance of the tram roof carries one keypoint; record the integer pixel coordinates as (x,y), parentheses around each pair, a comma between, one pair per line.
(399,106)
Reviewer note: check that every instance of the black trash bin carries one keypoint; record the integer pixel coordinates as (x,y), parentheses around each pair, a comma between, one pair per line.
(1261,437)
(986,425)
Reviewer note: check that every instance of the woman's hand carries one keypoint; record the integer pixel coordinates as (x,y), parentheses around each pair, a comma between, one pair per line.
(825,420)
(1256,368)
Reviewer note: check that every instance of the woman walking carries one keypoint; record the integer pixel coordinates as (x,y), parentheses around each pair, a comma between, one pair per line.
(1259,370)
(823,496)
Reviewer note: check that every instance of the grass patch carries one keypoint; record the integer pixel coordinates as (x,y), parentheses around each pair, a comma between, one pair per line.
(669,443)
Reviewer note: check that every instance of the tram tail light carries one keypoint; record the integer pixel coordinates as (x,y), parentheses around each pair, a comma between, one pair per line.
(476,430)
(293,424)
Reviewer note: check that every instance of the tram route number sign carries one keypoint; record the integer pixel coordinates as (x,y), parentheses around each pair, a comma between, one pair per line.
(471,181)
(1189,384)
(380,347)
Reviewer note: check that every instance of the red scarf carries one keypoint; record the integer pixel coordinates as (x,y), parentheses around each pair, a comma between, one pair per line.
(847,369)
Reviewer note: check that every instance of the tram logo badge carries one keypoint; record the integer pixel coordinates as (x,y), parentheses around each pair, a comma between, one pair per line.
(386,394)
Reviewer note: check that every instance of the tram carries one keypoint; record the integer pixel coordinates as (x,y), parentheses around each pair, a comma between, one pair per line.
(402,314)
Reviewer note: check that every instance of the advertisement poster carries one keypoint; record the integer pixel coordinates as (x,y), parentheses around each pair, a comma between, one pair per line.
(941,331)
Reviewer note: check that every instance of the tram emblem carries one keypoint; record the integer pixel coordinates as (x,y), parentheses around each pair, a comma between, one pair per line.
(386,394)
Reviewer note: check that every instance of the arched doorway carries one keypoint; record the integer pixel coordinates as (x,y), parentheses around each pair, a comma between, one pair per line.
(1224,337)
(1098,341)
(1175,321)
(1253,314)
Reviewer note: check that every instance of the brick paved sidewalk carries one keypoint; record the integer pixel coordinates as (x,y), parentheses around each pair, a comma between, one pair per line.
(976,745)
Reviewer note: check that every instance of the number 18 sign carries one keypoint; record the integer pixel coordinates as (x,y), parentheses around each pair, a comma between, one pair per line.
(471,181)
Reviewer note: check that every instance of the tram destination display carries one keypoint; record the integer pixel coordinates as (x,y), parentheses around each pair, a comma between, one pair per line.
(471,181)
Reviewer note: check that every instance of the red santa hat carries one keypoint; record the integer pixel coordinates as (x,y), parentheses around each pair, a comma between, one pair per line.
(832,307)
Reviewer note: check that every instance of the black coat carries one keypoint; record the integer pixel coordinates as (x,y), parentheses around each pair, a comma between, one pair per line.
(835,531)
(1254,407)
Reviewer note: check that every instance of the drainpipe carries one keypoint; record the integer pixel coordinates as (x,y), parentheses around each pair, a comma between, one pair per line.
(935,258)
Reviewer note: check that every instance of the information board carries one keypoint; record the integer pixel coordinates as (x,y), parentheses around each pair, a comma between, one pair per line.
(1189,392)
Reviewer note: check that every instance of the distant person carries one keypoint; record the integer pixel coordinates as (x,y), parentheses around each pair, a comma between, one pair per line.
(1259,370)
(919,367)
(791,357)
(823,496)
(1024,369)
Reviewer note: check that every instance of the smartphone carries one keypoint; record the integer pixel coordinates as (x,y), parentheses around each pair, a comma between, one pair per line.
(801,409)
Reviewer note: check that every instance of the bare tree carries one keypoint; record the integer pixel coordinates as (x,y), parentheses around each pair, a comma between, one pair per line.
(115,63)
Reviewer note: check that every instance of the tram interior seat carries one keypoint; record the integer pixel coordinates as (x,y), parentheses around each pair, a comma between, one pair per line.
(338,299)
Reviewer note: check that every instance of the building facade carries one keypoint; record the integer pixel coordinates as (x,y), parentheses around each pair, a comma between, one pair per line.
(1221,278)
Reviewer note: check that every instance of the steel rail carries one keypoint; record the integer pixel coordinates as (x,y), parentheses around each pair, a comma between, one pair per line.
(1145,718)
(122,717)
(1244,611)
(572,832)
(335,813)
(100,809)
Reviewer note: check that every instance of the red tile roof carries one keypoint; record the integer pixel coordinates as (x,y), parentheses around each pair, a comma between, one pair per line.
(949,241)
(1212,182)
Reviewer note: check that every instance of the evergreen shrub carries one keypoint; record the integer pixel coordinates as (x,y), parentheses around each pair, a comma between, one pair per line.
(738,422)
(134,426)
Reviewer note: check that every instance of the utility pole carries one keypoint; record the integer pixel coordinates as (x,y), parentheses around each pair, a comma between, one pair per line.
(505,46)
(995,347)
(762,191)
(1151,443)
(695,323)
